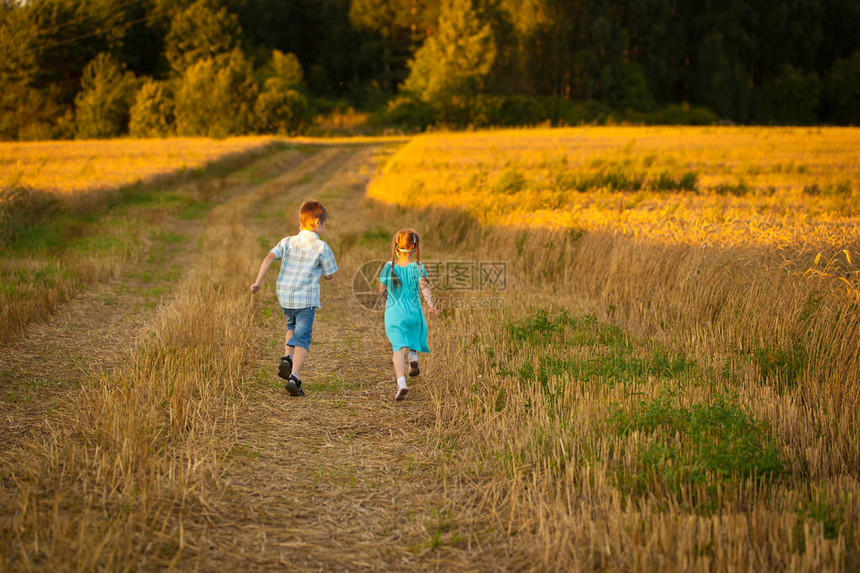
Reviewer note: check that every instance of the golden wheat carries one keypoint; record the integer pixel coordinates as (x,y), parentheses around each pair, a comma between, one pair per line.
(70,167)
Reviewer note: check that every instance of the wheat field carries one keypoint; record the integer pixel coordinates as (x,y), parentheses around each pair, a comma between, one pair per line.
(666,378)
(69,168)
(674,378)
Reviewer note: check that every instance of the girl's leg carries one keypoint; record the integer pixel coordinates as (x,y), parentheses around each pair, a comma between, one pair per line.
(413,363)
(400,371)
(399,360)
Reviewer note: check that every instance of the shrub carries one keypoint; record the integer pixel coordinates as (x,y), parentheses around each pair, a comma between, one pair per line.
(407,112)
(287,110)
(520,110)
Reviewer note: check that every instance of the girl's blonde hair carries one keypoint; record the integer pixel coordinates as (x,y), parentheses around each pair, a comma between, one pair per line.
(405,241)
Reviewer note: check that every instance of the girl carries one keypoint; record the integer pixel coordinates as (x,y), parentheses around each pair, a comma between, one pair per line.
(404,277)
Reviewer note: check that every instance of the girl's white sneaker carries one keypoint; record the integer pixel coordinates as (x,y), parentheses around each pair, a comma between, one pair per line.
(401,392)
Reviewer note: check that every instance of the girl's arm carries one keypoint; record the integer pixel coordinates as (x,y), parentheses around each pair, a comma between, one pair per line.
(267,262)
(424,285)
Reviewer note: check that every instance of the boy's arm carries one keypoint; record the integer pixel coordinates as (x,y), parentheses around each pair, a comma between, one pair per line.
(329,264)
(267,262)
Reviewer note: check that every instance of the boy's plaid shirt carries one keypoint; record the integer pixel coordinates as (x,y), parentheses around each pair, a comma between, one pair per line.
(304,257)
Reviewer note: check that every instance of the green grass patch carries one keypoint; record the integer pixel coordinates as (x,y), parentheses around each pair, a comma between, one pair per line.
(196,210)
(840,189)
(781,367)
(700,444)
(168,237)
(375,235)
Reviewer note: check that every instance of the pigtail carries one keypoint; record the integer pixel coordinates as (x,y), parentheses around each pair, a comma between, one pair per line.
(394,280)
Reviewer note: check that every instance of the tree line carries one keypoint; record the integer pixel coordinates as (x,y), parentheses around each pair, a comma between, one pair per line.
(105,68)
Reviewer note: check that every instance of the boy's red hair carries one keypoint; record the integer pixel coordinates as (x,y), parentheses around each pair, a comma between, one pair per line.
(310,211)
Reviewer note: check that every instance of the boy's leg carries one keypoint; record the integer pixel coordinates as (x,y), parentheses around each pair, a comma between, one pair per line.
(300,338)
(285,365)
(288,350)
(299,359)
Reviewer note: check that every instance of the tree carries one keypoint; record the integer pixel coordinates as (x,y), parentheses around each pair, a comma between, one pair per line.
(281,104)
(286,111)
(102,105)
(842,91)
(283,72)
(455,61)
(199,32)
(214,97)
(152,114)
(401,24)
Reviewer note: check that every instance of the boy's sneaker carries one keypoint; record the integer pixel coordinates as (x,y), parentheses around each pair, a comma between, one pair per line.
(285,367)
(413,368)
(401,392)
(294,386)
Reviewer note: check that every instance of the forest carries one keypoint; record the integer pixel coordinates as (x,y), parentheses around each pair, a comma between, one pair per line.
(154,68)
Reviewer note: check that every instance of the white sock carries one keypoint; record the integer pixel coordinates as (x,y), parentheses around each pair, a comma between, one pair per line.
(413,356)
(401,382)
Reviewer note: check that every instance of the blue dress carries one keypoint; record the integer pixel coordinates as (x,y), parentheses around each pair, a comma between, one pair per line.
(404,321)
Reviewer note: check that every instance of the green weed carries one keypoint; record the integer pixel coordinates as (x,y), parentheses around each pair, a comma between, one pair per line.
(666,182)
(841,189)
(700,444)
(509,181)
(375,235)
(738,189)
(782,367)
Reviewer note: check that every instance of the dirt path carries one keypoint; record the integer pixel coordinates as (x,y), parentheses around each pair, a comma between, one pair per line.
(342,479)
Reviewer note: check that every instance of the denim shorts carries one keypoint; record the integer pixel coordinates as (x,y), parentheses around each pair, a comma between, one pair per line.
(301,322)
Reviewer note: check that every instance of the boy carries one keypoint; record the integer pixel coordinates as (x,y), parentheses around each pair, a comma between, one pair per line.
(304,257)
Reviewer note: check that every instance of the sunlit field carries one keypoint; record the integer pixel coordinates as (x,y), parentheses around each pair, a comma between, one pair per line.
(674,377)
(53,201)
(792,187)
(69,167)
